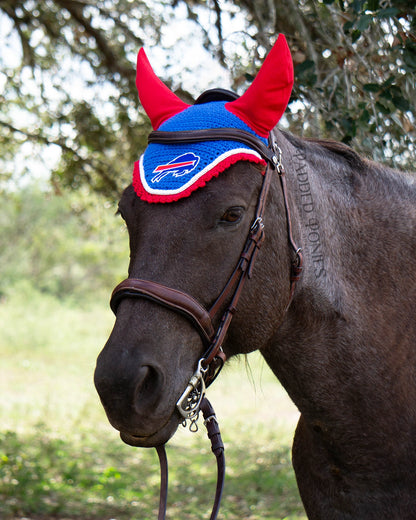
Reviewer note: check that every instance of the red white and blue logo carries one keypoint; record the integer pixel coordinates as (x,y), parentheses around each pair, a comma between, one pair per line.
(179,166)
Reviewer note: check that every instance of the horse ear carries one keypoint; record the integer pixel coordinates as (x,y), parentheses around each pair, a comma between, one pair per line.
(159,102)
(264,102)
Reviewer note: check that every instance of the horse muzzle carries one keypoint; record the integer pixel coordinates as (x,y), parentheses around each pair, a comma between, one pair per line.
(136,396)
(158,438)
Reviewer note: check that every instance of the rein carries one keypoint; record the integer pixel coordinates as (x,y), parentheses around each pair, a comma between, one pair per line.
(193,400)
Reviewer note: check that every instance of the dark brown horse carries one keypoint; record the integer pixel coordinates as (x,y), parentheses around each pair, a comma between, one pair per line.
(344,349)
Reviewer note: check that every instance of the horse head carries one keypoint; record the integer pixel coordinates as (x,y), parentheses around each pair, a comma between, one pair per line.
(189,212)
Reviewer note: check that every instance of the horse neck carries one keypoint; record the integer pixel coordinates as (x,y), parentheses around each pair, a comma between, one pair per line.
(353,219)
(348,218)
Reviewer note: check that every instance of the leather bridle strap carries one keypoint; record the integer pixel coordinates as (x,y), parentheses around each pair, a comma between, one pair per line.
(163,498)
(228,299)
(213,134)
(193,399)
(217,447)
(168,297)
(186,304)
(189,307)
(233,288)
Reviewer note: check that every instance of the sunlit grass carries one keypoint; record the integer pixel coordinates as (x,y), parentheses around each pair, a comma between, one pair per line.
(60,458)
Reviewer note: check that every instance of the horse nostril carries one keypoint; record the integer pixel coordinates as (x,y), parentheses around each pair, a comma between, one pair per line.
(148,390)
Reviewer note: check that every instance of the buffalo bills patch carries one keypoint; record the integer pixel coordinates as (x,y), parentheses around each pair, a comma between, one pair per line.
(181,165)
(168,172)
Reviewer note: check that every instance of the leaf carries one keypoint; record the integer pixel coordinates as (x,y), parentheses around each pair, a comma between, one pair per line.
(365,116)
(350,127)
(371,87)
(409,56)
(373,5)
(329,125)
(386,94)
(348,26)
(303,67)
(305,72)
(401,103)
(364,22)
(389,81)
(355,35)
(389,12)
(357,5)
(383,108)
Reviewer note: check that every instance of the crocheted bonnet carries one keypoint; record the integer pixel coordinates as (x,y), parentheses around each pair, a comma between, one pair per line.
(168,172)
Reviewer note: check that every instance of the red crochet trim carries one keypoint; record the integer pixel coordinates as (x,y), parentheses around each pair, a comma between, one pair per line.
(220,167)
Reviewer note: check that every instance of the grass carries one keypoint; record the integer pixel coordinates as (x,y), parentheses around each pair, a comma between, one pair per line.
(60,459)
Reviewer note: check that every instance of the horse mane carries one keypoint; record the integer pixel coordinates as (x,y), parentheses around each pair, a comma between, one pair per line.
(342,150)
(338,150)
(380,177)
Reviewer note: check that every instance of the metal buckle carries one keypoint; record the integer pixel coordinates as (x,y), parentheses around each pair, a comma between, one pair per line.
(256,225)
(189,402)
(277,157)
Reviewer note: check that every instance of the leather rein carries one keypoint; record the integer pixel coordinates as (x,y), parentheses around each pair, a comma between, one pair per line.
(193,399)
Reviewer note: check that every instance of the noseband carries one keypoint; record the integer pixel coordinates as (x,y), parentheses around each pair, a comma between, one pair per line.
(211,362)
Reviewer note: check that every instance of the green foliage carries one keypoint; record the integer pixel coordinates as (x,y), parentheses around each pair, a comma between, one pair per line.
(67,245)
(354,67)
(68,79)
(97,478)
(67,75)
(43,475)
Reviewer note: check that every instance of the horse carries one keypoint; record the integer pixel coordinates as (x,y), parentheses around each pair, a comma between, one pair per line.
(340,336)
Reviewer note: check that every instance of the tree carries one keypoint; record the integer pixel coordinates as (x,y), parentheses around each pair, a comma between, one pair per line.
(84,251)
(355,69)
(69,82)
(68,69)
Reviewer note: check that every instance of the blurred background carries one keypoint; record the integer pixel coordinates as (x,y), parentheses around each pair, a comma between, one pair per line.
(70,130)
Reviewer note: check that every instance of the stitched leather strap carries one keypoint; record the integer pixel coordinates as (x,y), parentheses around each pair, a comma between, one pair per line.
(217,447)
(213,134)
(168,297)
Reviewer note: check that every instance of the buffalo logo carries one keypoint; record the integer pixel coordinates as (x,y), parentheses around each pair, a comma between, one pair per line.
(179,166)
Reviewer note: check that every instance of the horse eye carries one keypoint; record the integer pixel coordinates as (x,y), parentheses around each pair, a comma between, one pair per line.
(232,215)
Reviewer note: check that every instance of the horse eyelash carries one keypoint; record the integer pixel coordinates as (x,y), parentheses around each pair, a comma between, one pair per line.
(119,213)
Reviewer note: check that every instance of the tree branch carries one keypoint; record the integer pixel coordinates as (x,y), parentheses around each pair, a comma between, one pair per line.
(111,59)
(96,165)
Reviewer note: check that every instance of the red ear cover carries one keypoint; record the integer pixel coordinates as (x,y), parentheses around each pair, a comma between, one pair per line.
(264,102)
(159,102)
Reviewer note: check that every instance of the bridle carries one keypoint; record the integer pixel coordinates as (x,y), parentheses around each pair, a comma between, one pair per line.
(209,365)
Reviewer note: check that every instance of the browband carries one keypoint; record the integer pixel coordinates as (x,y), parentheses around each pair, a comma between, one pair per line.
(214,134)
